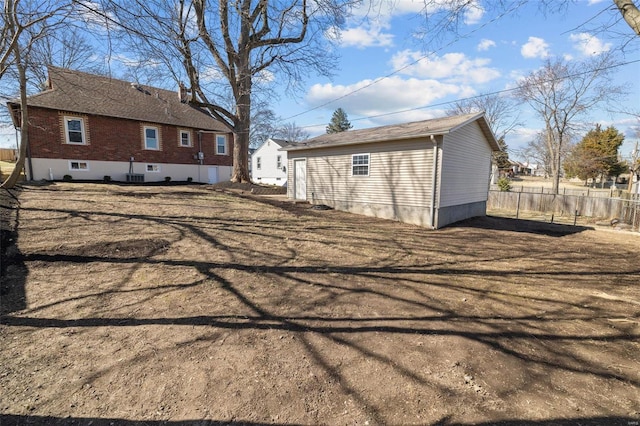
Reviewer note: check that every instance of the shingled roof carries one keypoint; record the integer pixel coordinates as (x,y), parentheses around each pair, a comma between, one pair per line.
(79,92)
(413,130)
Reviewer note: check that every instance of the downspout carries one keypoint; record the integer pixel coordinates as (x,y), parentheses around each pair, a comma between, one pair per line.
(199,157)
(434,181)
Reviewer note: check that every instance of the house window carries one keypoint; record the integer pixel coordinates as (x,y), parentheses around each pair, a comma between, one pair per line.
(221,145)
(185,138)
(360,165)
(74,130)
(279,162)
(258,163)
(151,138)
(153,168)
(78,165)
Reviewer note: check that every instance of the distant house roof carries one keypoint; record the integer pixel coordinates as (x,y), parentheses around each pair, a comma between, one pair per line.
(79,92)
(416,129)
(282,142)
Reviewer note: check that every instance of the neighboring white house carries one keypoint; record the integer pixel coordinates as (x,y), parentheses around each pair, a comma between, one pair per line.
(429,173)
(268,164)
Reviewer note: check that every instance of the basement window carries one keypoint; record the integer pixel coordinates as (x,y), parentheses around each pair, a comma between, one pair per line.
(360,165)
(78,165)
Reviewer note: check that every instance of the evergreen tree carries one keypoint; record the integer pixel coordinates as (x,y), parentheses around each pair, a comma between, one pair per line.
(339,122)
(501,158)
(596,155)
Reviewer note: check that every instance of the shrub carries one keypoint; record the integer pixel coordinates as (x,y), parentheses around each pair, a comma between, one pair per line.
(189,179)
(167,178)
(107,178)
(67,178)
(504,184)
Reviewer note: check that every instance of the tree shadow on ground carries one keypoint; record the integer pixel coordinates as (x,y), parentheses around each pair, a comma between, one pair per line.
(13,272)
(22,420)
(329,283)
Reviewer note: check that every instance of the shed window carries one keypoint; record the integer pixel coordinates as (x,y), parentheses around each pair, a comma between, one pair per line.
(360,165)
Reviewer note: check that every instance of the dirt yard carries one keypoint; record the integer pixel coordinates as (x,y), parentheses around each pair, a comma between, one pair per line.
(182,305)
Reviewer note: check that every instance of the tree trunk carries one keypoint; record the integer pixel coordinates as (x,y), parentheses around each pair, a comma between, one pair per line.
(11,181)
(630,13)
(243,124)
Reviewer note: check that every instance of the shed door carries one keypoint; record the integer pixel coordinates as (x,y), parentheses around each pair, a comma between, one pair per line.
(300,179)
(213,175)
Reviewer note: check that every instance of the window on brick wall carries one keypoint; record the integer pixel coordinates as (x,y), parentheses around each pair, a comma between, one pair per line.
(221,145)
(151,138)
(185,138)
(74,131)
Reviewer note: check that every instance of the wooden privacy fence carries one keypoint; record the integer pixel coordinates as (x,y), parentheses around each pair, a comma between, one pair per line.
(626,210)
(7,154)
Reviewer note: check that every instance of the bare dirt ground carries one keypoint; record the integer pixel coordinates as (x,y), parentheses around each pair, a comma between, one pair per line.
(182,305)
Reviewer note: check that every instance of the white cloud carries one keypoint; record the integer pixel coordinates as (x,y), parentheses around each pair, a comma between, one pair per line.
(390,94)
(451,67)
(588,44)
(486,44)
(366,35)
(535,48)
(473,14)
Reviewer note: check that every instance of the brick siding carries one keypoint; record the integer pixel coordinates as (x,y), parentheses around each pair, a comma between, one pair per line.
(115,139)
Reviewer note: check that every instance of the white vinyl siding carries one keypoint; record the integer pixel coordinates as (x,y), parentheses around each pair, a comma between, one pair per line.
(399,173)
(268,164)
(465,167)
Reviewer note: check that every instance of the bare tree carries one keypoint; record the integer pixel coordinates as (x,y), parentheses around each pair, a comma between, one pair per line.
(443,17)
(291,133)
(561,93)
(242,44)
(498,110)
(630,13)
(66,48)
(25,22)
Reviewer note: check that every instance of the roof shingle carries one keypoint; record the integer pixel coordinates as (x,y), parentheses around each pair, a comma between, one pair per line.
(79,92)
(416,129)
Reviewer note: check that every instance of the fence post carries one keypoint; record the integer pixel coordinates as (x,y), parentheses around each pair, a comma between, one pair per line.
(518,205)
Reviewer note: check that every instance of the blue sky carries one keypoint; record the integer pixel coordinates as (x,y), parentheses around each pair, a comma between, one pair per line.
(413,80)
(491,58)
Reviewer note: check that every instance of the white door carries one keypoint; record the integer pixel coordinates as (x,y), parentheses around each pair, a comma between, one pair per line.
(300,179)
(213,175)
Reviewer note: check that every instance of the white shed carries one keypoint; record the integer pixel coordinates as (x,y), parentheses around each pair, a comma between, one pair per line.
(429,173)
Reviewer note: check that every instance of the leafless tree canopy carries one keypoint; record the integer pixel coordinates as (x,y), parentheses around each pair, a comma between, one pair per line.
(233,48)
(561,93)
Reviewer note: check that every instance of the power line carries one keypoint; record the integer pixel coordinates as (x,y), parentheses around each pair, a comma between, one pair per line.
(378,80)
(498,92)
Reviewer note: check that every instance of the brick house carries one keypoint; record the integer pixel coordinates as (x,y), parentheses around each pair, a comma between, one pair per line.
(89,126)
